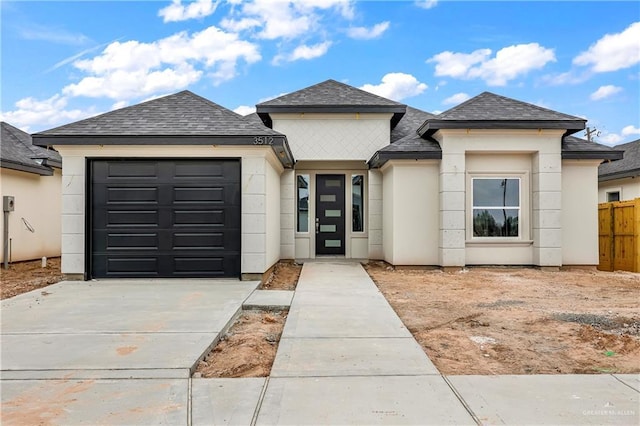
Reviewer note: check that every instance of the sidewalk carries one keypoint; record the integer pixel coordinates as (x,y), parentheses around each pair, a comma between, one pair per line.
(346,358)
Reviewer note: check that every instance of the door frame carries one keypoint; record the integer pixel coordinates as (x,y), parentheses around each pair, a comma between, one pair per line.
(341,223)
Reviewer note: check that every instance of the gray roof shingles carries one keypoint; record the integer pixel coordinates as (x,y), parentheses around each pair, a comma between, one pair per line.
(18,152)
(488,110)
(329,93)
(180,114)
(628,166)
(409,123)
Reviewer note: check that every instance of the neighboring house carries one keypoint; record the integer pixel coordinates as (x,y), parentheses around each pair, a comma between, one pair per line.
(182,187)
(619,180)
(32,175)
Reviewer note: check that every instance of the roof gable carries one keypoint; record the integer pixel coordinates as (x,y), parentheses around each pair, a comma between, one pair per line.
(491,111)
(627,166)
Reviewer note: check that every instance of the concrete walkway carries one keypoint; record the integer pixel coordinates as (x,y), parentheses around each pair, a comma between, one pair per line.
(121,352)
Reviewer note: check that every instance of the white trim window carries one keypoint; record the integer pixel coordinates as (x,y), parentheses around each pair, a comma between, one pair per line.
(302,203)
(496,207)
(357,203)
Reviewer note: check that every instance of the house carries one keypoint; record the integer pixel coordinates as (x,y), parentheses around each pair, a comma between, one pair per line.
(32,176)
(182,187)
(619,180)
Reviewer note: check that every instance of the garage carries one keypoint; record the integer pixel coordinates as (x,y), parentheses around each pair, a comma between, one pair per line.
(164,218)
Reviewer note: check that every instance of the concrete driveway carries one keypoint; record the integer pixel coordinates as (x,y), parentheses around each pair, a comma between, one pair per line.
(75,341)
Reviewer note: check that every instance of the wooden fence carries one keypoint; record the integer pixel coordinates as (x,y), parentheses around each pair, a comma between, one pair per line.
(619,235)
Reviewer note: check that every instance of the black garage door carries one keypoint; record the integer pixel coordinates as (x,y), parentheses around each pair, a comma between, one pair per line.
(165,218)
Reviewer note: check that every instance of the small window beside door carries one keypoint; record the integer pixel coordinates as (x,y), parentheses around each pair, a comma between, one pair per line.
(302,191)
(357,203)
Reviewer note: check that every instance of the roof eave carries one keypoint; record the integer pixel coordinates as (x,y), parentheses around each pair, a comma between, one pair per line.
(22,167)
(619,175)
(318,109)
(381,157)
(277,142)
(431,126)
(591,155)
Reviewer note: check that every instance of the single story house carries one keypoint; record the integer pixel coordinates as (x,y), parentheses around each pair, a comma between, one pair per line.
(32,176)
(182,187)
(619,180)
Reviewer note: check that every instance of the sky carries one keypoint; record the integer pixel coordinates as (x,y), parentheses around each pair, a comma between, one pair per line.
(65,61)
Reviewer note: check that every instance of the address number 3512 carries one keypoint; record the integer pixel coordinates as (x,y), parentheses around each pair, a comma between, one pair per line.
(263,140)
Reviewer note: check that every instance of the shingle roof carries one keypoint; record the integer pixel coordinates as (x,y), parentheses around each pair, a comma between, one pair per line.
(183,118)
(330,93)
(491,111)
(628,166)
(576,148)
(180,114)
(331,97)
(409,124)
(17,152)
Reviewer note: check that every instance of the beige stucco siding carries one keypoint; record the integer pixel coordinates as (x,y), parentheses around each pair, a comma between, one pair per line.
(258,217)
(334,137)
(38,203)
(273,215)
(287,214)
(580,212)
(375,215)
(410,217)
(629,188)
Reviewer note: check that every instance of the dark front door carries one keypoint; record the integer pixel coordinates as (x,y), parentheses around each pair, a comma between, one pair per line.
(164,218)
(330,214)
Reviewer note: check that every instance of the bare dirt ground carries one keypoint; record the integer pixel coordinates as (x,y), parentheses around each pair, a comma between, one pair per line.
(284,277)
(249,348)
(22,277)
(519,321)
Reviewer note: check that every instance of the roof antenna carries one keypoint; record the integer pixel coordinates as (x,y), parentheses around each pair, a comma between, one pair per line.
(590,132)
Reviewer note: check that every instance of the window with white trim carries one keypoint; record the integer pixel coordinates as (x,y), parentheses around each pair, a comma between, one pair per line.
(302,200)
(613,196)
(496,207)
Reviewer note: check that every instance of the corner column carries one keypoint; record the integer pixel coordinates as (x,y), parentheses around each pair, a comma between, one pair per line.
(452,209)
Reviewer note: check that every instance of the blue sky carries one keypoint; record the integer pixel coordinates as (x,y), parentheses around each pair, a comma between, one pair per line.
(63,61)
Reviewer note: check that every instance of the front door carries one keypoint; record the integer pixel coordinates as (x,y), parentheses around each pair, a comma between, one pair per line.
(330,214)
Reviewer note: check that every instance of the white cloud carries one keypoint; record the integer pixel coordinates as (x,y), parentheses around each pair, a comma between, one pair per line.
(605,92)
(33,115)
(509,63)
(133,69)
(630,130)
(274,19)
(617,138)
(364,33)
(426,4)
(396,86)
(32,31)
(119,105)
(303,52)
(613,51)
(245,110)
(456,99)
(569,77)
(176,11)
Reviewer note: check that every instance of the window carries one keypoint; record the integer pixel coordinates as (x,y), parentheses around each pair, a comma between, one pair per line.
(302,191)
(496,207)
(613,196)
(357,202)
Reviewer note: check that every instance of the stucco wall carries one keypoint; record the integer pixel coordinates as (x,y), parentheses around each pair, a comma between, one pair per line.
(256,222)
(38,201)
(273,215)
(580,212)
(375,215)
(287,214)
(629,188)
(334,136)
(411,233)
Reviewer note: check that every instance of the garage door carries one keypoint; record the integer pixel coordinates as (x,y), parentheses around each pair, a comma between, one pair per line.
(165,218)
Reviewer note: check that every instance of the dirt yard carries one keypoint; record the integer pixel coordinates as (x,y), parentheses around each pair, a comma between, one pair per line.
(249,348)
(22,277)
(519,321)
